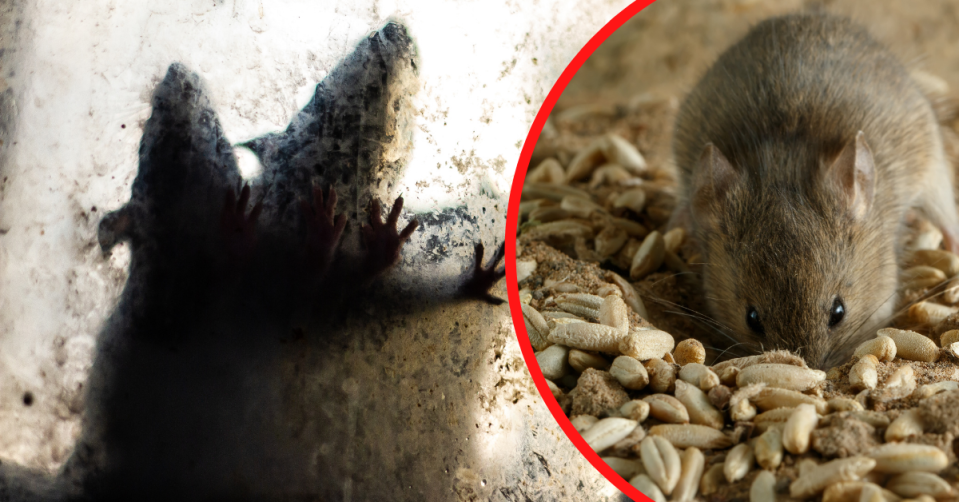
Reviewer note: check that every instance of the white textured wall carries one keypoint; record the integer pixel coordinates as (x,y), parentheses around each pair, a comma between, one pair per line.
(77,83)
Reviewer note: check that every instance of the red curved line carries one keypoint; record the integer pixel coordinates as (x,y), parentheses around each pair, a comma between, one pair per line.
(512,221)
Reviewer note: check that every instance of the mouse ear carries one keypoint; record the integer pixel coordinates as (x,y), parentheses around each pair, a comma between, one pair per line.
(854,173)
(712,179)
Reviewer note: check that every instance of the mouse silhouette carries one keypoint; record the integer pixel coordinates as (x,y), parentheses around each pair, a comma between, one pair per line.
(208,381)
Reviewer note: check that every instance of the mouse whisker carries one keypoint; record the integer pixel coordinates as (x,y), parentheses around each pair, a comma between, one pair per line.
(930,294)
(688,312)
(719,357)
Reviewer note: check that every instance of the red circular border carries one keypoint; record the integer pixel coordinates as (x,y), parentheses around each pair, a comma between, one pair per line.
(512,221)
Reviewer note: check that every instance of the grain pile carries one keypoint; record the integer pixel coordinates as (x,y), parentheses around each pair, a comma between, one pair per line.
(612,306)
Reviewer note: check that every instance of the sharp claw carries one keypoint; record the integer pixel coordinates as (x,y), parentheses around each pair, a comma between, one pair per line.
(331,201)
(338,229)
(244,198)
(317,201)
(499,254)
(395,212)
(478,251)
(495,300)
(375,219)
(255,213)
(408,231)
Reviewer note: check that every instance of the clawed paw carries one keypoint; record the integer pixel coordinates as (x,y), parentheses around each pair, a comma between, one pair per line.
(483,278)
(238,229)
(382,241)
(323,228)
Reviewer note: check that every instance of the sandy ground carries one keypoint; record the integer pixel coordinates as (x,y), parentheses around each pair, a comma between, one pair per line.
(669,44)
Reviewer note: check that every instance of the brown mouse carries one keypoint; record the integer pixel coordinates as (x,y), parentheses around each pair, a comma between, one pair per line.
(800,152)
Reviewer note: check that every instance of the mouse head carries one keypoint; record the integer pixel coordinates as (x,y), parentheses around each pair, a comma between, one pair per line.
(795,250)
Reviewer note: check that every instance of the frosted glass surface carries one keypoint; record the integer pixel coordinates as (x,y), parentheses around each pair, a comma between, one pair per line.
(428,403)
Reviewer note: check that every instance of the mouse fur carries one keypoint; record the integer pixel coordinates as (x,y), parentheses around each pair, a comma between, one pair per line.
(800,152)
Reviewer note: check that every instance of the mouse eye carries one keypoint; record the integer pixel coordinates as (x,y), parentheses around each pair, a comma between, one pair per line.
(752,319)
(837,312)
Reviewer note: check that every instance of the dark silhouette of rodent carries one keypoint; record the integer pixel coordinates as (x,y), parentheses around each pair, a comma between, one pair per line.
(800,151)
(189,395)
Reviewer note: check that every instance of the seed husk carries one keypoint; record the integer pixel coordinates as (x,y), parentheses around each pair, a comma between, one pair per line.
(771,398)
(701,411)
(618,150)
(647,487)
(626,468)
(674,238)
(763,488)
(905,457)
(738,463)
(662,375)
(550,191)
(630,296)
(583,422)
(667,409)
(692,464)
(931,389)
(614,312)
(648,257)
(629,372)
(921,277)
(798,429)
(636,410)
(712,480)
(662,463)
(536,327)
(769,449)
(580,360)
(646,344)
(585,161)
(909,423)
(690,351)
(882,347)
(587,336)
(928,314)
(949,337)
(549,214)
(547,171)
(687,435)
(609,174)
(843,404)
(699,375)
(580,207)
(524,268)
(607,432)
(863,374)
(553,362)
(914,484)
(784,376)
(741,409)
(945,261)
(911,345)
(634,200)
(816,479)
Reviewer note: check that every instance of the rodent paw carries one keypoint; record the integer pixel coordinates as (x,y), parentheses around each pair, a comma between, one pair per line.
(237,229)
(323,227)
(382,241)
(483,278)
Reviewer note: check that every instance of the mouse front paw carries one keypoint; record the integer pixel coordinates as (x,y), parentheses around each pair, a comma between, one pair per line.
(382,242)
(483,278)
(237,229)
(323,229)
